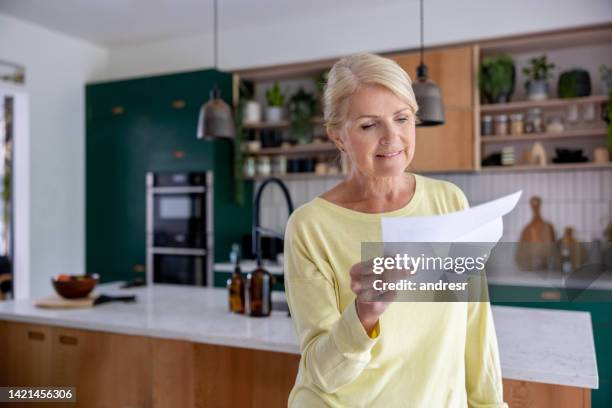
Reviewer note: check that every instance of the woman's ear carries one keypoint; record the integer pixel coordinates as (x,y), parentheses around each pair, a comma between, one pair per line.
(334,136)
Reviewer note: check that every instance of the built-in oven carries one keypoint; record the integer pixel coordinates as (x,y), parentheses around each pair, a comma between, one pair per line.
(180,228)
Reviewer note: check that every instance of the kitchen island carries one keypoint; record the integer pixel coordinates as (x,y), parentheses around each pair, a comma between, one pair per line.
(179,346)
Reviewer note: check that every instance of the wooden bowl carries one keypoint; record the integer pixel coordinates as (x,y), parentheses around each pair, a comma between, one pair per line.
(74,286)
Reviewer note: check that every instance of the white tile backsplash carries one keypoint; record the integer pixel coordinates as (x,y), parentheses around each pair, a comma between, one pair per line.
(580,199)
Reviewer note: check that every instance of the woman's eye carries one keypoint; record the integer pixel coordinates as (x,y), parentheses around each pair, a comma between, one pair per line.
(402,120)
(368,126)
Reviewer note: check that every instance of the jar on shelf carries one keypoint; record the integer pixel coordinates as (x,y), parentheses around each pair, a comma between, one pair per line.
(279,165)
(486,125)
(554,125)
(263,165)
(249,167)
(501,125)
(516,124)
(533,121)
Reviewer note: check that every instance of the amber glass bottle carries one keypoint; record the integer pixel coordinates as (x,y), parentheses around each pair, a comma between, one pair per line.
(259,292)
(235,284)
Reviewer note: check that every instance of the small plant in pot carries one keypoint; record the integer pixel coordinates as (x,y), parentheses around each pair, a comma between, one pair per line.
(301,108)
(276,100)
(574,84)
(538,73)
(496,78)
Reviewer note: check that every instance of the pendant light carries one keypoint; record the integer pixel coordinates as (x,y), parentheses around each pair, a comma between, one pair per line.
(427,93)
(215,120)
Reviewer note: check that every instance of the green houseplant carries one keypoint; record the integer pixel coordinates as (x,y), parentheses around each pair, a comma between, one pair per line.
(276,100)
(496,78)
(538,73)
(574,83)
(301,108)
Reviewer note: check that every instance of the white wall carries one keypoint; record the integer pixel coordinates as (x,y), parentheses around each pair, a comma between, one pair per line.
(384,26)
(57,69)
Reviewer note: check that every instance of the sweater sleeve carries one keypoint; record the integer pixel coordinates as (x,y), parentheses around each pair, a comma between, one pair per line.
(334,344)
(483,373)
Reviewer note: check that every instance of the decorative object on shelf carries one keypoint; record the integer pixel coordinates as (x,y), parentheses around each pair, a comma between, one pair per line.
(501,125)
(516,124)
(276,100)
(493,159)
(537,155)
(554,125)
(252,112)
(11,72)
(533,121)
(507,156)
(574,83)
(321,168)
(569,156)
(606,78)
(486,125)
(496,78)
(601,155)
(572,114)
(215,120)
(271,137)
(301,107)
(588,112)
(426,91)
(536,248)
(253,146)
(538,73)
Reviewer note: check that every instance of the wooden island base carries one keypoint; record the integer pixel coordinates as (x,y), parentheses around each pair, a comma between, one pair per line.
(117,370)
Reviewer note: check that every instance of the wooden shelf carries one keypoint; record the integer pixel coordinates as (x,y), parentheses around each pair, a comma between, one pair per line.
(297,150)
(299,176)
(548,167)
(277,125)
(568,134)
(547,103)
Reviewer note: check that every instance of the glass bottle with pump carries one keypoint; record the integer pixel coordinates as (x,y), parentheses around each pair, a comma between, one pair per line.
(235,284)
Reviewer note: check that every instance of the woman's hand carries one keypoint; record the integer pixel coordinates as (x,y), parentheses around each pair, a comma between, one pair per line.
(371,303)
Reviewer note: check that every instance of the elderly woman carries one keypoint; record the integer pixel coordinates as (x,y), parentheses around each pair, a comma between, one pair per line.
(361,353)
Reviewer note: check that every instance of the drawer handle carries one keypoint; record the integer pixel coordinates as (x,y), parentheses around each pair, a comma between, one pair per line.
(68,340)
(35,335)
(118,110)
(179,104)
(551,295)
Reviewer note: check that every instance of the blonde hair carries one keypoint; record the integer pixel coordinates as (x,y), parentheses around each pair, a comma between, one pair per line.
(349,73)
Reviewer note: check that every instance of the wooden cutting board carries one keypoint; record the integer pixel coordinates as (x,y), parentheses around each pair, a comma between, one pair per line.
(57,302)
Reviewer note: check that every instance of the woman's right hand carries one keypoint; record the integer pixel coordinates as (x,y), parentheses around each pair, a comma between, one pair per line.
(371,303)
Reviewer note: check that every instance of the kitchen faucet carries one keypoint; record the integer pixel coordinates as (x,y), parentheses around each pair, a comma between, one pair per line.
(257,228)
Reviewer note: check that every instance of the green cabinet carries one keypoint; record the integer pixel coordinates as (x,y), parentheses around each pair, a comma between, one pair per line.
(597,302)
(149,124)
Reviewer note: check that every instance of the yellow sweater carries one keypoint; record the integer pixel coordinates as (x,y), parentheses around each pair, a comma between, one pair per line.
(421,355)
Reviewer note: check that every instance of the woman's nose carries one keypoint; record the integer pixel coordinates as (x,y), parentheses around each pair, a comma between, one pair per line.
(389,135)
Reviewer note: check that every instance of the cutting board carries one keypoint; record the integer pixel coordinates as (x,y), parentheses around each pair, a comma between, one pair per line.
(57,302)
(536,245)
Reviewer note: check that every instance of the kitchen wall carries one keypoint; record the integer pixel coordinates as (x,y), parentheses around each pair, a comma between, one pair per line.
(337,30)
(57,68)
(580,199)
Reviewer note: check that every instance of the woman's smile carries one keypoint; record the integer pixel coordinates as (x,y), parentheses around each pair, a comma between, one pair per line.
(389,155)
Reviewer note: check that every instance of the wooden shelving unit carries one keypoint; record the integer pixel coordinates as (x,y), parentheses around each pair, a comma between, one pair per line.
(297,150)
(277,125)
(545,104)
(548,167)
(568,134)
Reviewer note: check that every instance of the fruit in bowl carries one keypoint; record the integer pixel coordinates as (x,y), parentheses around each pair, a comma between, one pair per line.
(74,286)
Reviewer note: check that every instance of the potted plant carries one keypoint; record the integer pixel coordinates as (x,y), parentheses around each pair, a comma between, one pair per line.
(538,73)
(301,108)
(574,83)
(496,78)
(276,100)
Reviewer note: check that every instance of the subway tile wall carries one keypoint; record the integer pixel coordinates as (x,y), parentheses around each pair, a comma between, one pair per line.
(580,199)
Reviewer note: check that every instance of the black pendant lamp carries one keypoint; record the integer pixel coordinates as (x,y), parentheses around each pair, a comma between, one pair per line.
(215,120)
(427,93)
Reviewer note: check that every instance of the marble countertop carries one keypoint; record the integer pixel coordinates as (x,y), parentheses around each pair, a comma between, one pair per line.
(548,346)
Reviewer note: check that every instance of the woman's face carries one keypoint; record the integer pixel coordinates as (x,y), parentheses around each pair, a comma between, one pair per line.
(378,135)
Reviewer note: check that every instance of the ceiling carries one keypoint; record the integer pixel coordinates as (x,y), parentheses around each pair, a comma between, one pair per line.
(115,23)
